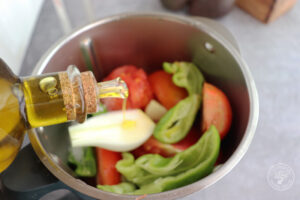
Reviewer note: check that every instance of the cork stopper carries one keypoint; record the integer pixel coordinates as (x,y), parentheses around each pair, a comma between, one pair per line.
(90,91)
(68,95)
(79,98)
(79,92)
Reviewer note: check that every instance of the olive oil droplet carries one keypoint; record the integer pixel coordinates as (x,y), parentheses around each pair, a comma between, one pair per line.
(127,124)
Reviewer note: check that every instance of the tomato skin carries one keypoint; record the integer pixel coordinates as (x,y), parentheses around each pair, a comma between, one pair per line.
(166,92)
(140,92)
(154,146)
(107,173)
(191,138)
(219,159)
(216,110)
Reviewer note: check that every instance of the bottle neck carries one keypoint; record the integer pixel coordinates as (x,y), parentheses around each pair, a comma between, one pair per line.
(115,88)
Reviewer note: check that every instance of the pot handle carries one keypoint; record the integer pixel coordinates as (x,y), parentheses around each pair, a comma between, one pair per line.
(220,29)
(28,179)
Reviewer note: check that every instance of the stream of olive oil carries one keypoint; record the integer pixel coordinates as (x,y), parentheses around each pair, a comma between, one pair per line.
(117,88)
(126,124)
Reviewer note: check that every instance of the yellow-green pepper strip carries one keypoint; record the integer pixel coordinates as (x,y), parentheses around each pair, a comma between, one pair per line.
(177,122)
(146,169)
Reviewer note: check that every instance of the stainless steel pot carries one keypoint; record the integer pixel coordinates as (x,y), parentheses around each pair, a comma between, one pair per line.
(146,40)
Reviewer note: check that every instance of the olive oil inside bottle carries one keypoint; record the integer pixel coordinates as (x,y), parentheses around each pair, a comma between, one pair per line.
(11,125)
(38,101)
(24,104)
(44,100)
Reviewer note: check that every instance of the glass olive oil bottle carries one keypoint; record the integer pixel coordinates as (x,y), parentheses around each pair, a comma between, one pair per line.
(47,99)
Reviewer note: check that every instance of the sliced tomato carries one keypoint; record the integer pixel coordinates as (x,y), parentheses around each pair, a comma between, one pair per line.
(153,146)
(166,92)
(191,138)
(216,110)
(107,173)
(220,158)
(140,92)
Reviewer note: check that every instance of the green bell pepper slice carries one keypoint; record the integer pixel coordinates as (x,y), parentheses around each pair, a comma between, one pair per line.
(203,168)
(186,75)
(83,160)
(177,122)
(184,168)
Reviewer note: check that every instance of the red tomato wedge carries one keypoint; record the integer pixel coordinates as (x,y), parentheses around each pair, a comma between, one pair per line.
(220,158)
(106,164)
(166,92)
(216,110)
(153,146)
(191,138)
(140,92)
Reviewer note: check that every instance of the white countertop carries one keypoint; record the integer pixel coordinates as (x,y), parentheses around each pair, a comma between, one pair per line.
(17,22)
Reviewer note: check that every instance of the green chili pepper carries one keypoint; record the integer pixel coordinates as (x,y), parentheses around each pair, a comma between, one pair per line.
(184,168)
(177,122)
(83,160)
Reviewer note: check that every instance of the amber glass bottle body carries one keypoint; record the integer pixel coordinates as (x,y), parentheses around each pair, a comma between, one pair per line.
(47,99)
(12,124)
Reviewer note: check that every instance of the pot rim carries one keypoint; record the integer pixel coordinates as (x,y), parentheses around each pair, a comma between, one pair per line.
(182,191)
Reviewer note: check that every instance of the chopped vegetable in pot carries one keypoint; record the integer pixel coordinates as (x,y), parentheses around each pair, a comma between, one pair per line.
(110,131)
(164,89)
(106,162)
(137,156)
(154,173)
(177,122)
(83,160)
(216,110)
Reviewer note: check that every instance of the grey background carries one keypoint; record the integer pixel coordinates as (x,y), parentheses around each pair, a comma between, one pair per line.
(273,53)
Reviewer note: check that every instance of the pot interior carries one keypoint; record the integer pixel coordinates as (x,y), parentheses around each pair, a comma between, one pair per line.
(147,42)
